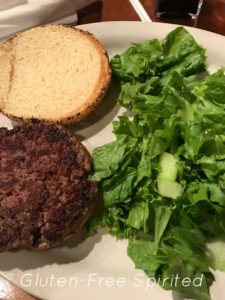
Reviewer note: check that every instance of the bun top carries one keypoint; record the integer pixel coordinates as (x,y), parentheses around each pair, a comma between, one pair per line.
(53,73)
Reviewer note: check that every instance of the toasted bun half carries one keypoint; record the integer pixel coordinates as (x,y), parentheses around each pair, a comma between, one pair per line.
(53,73)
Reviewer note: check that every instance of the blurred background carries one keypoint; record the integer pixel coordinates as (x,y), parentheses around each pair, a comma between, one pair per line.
(211,16)
(17,15)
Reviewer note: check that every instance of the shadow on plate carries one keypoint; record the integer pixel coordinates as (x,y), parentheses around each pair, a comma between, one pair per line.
(73,250)
(178,296)
(103,115)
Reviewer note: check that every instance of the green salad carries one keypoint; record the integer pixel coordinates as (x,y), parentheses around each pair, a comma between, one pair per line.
(163,178)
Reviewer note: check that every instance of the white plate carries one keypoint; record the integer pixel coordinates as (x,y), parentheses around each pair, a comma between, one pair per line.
(99,268)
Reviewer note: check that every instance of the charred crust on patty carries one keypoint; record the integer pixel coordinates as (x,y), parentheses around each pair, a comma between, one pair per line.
(45,193)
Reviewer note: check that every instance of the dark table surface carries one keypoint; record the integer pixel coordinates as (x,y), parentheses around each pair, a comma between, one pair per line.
(211,18)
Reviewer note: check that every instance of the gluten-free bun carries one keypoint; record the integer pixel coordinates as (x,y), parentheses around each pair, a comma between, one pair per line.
(53,73)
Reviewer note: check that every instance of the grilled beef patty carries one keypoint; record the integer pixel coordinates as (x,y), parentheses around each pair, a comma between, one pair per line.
(45,195)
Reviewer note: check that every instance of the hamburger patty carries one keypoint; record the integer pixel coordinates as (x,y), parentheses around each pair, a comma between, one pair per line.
(45,195)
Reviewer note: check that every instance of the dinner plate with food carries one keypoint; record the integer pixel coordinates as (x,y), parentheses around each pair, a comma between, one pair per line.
(112,161)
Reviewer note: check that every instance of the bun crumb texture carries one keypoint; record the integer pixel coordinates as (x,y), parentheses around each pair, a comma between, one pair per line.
(52,73)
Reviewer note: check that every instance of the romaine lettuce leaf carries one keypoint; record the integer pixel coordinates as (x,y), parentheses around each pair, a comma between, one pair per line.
(178,110)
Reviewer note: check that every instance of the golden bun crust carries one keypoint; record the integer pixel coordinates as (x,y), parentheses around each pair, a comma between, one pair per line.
(88,104)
